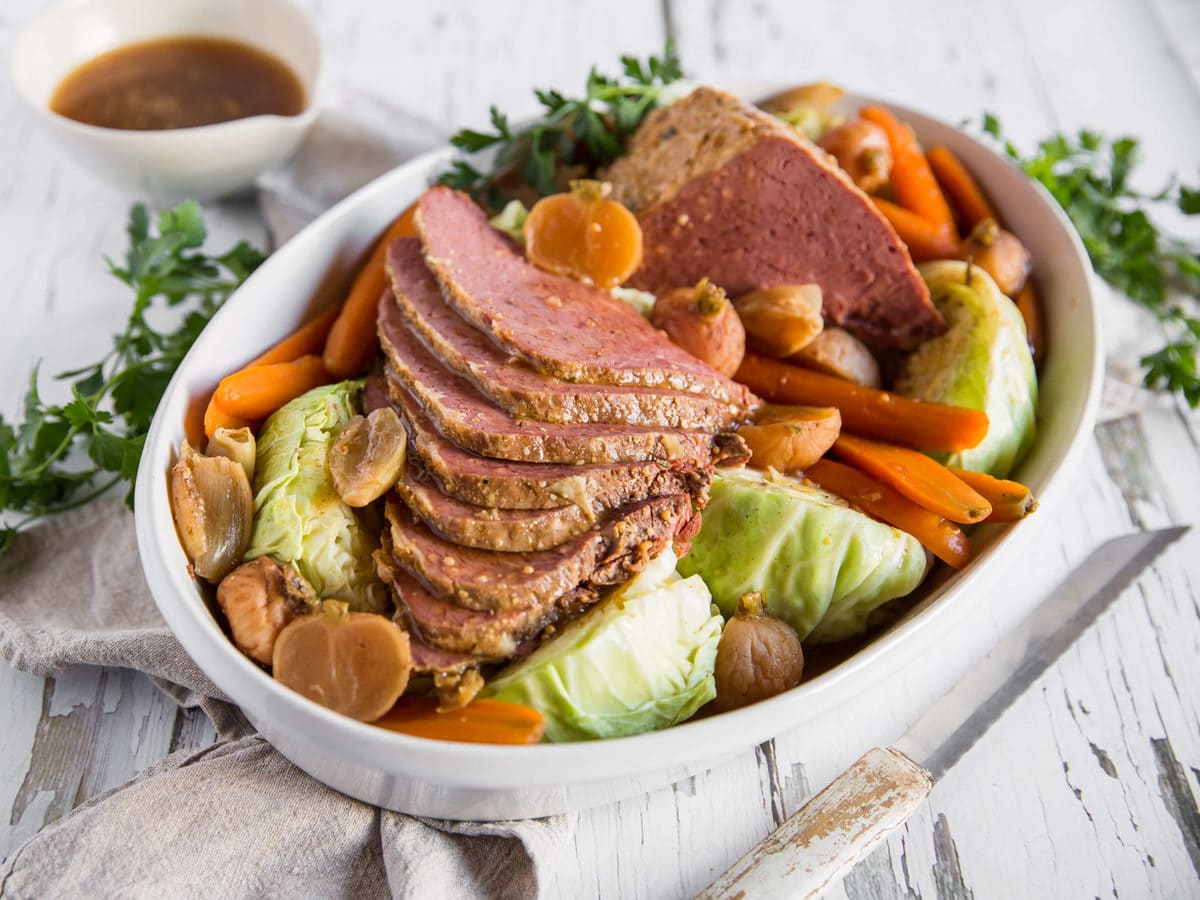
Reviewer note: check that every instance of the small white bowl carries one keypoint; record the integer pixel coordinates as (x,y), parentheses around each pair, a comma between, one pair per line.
(185,162)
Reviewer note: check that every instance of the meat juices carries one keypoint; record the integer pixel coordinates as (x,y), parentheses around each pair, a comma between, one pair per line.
(726,191)
(526,493)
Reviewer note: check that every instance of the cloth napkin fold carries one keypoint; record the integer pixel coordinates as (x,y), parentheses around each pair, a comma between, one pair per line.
(235,819)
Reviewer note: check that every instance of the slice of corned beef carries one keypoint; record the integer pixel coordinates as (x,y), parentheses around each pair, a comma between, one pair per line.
(486,580)
(726,191)
(494,634)
(565,328)
(469,419)
(486,482)
(520,388)
(488,528)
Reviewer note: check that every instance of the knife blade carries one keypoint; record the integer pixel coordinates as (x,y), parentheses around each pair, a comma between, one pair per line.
(845,821)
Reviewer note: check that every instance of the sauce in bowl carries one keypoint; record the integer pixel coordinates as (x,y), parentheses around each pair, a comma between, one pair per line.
(178,82)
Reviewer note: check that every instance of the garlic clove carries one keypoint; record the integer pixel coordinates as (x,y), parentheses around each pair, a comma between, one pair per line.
(365,460)
(213,509)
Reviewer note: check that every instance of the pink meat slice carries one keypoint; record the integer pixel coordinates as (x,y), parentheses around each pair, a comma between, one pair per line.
(520,388)
(563,327)
(466,417)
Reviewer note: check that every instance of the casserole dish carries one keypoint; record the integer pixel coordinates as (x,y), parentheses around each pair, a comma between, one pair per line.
(467,781)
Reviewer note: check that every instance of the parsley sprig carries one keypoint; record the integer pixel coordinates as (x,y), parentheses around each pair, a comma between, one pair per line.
(584,133)
(1090,177)
(62,456)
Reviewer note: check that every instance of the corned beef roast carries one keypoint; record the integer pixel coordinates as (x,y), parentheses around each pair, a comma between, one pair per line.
(557,443)
(726,191)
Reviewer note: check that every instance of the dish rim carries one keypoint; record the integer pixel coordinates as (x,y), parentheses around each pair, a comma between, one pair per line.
(546,765)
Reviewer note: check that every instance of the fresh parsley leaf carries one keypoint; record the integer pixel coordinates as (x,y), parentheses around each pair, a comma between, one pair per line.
(574,136)
(1091,177)
(112,403)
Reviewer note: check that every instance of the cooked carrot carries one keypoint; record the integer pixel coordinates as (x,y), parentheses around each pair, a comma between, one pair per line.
(877,414)
(943,539)
(216,416)
(925,240)
(922,480)
(258,391)
(912,178)
(960,188)
(479,722)
(1031,312)
(1010,500)
(308,338)
(351,344)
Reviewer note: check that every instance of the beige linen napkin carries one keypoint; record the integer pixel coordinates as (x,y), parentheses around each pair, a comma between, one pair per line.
(235,819)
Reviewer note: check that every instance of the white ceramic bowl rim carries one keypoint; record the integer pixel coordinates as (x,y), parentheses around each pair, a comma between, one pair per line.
(547,764)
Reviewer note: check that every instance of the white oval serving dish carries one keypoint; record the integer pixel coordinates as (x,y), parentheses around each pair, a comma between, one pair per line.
(207,161)
(467,781)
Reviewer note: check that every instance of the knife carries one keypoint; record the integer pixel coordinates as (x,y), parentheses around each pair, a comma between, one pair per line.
(875,796)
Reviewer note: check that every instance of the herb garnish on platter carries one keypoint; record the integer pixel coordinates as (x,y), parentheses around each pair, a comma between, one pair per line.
(42,467)
(1089,175)
(588,133)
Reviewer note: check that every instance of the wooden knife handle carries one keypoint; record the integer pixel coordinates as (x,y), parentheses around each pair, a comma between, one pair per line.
(831,832)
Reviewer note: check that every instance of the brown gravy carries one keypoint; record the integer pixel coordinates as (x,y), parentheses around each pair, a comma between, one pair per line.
(179,82)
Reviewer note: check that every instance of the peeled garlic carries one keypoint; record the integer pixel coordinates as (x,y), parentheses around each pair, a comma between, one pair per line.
(236,444)
(781,320)
(213,509)
(366,458)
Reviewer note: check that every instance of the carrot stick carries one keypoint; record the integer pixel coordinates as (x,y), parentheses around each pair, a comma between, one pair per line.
(216,416)
(878,414)
(961,188)
(912,179)
(308,338)
(1031,312)
(925,240)
(922,480)
(1010,500)
(479,722)
(351,344)
(943,539)
(258,391)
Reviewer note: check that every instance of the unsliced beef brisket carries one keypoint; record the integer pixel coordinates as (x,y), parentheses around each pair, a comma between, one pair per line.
(520,388)
(565,328)
(726,191)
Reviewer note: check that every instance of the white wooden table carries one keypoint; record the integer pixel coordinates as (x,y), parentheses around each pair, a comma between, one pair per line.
(1089,785)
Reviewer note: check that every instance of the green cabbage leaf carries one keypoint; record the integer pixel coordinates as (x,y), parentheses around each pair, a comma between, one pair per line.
(821,566)
(981,362)
(298,516)
(640,660)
